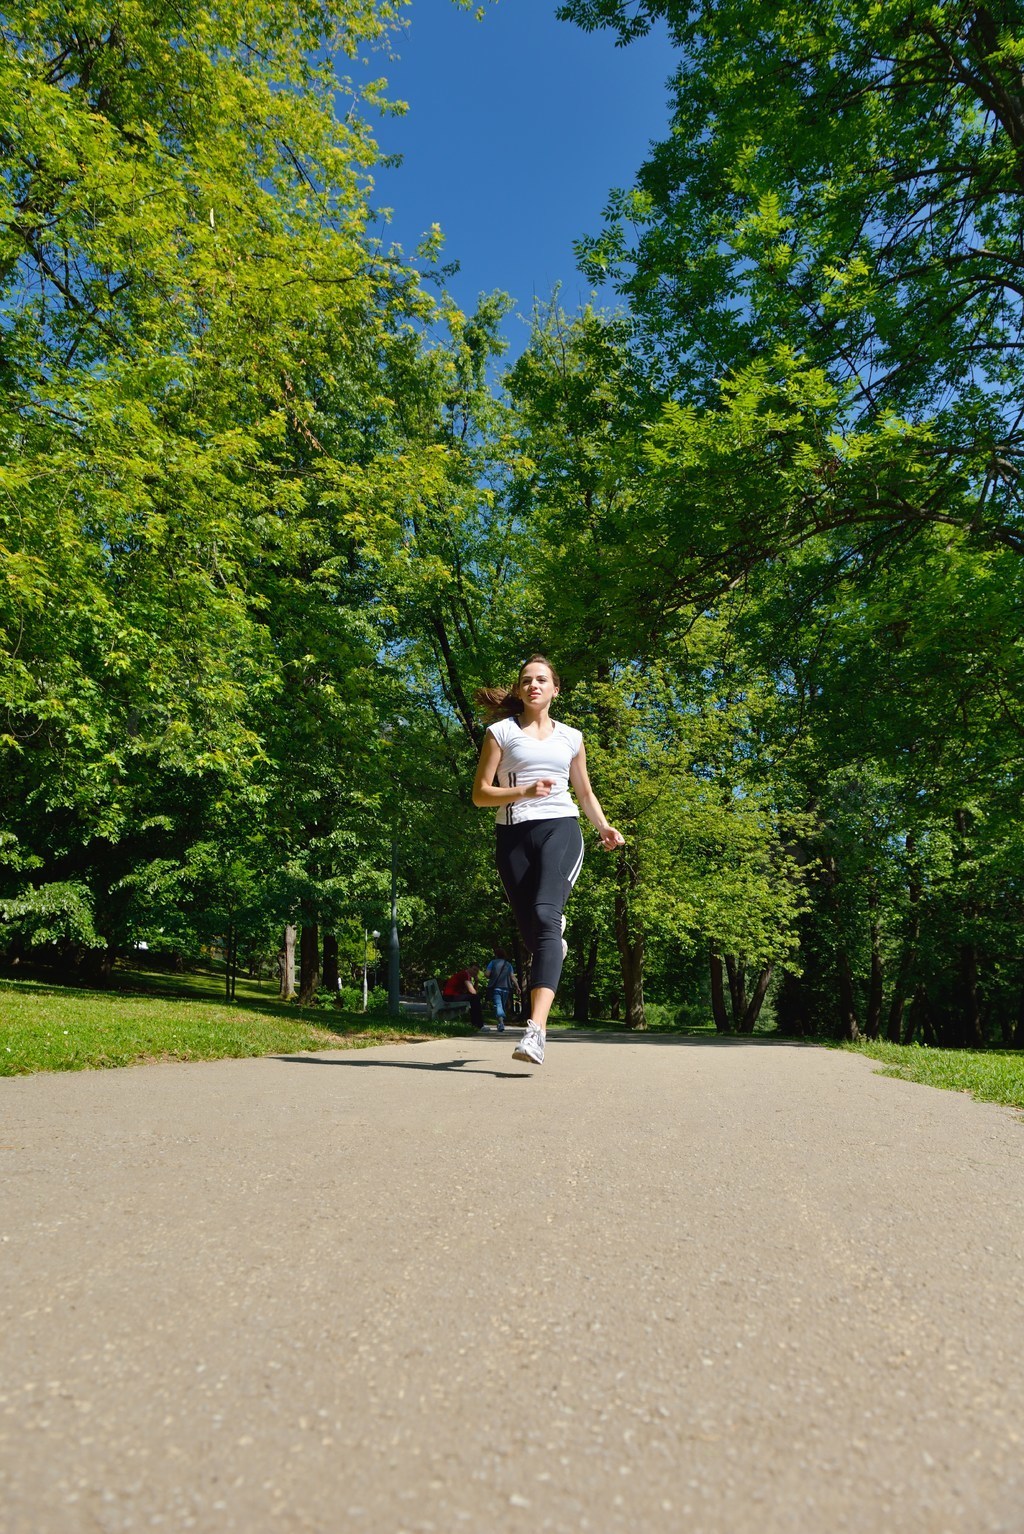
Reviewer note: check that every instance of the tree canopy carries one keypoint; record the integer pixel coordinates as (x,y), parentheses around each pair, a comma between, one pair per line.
(272,508)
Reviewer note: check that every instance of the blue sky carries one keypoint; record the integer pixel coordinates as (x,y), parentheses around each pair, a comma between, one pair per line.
(518,127)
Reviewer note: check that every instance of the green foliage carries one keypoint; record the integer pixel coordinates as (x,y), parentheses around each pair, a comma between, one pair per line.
(196,326)
(54,915)
(267,521)
(842,179)
(821,260)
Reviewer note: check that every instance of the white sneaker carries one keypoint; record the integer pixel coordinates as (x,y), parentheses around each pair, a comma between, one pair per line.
(530,1046)
(565,945)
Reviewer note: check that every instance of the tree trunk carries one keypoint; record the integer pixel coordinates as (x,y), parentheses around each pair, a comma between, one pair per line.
(718,1011)
(737,973)
(329,977)
(968,1029)
(913,1018)
(288,964)
(98,965)
(633,981)
(849,1028)
(309,963)
(873,1017)
(921,1018)
(791,1006)
(753,1009)
(898,1001)
(521,969)
(583,983)
(631,950)
(1017,1036)
(230,961)
(905,973)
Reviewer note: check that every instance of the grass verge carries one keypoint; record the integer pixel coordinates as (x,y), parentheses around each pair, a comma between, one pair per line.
(158,1017)
(993,1075)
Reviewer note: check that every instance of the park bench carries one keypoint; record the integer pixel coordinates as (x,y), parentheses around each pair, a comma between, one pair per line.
(439,1005)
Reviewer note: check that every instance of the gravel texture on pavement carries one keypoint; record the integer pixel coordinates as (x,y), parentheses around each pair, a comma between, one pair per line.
(670,1284)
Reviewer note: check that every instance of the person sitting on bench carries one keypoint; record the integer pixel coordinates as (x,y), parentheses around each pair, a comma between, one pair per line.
(462,986)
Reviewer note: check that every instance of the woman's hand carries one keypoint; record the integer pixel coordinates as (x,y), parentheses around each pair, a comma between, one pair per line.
(540,789)
(580,780)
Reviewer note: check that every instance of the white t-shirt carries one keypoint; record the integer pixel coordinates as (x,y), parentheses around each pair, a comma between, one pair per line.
(524,759)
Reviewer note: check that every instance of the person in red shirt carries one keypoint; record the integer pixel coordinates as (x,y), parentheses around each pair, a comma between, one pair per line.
(463,985)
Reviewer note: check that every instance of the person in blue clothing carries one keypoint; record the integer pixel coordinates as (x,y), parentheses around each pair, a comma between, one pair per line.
(528,762)
(501,981)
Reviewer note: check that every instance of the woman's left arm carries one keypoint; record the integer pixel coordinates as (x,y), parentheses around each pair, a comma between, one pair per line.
(580,780)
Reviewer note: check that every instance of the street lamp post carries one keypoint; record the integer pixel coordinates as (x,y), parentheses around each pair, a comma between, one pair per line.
(366,952)
(394,956)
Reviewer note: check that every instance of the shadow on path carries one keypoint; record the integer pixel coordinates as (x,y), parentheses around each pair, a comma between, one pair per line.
(694,1040)
(406,1065)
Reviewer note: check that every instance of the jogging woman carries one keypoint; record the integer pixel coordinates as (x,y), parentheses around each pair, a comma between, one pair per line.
(527,763)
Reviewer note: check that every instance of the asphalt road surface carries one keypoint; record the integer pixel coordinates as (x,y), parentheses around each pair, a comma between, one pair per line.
(659,1284)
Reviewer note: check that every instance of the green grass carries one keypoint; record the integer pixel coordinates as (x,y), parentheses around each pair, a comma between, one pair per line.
(994,1075)
(46,1027)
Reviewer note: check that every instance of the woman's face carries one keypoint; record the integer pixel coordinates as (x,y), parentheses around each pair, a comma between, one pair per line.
(536,685)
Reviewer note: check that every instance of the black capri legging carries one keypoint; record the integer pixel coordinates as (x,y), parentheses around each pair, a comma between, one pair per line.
(539,862)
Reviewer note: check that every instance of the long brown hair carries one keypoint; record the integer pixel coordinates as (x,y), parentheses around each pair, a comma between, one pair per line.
(505,702)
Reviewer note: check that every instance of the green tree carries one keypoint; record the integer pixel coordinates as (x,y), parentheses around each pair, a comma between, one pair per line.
(185,270)
(842,182)
(822,263)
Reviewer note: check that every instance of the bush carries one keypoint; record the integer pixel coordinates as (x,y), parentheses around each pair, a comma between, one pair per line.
(51,916)
(350,999)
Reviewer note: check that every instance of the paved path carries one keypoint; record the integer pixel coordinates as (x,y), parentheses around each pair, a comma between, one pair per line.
(676,1285)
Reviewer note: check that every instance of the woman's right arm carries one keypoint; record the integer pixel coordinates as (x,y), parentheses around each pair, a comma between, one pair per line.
(487,796)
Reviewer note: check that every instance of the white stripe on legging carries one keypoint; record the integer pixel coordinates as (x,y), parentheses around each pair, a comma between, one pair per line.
(579,864)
